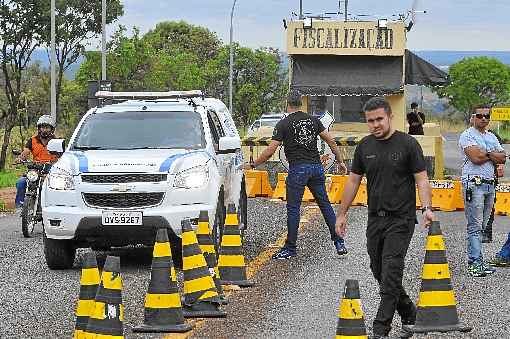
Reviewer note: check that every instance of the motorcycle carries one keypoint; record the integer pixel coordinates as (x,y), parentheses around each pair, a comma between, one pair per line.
(31,212)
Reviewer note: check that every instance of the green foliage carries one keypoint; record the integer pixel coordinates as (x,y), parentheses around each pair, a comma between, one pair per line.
(475,81)
(77,22)
(8,179)
(22,27)
(179,56)
(170,36)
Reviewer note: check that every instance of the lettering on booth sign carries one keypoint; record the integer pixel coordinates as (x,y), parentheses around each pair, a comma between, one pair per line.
(344,38)
(441,184)
(503,188)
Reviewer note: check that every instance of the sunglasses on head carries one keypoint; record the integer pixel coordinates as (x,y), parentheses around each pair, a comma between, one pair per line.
(480,116)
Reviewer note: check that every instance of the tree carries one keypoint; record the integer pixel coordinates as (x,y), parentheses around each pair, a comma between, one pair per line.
(258,80)
(134,64)
(476,81)
(22,26)
(170,36)
(159,62)
(77,22)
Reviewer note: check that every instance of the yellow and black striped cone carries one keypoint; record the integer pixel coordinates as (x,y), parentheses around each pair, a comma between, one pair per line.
(437,308)
(204,234)
(163,310)
(351,320)
(231,260)
(201,298)
(106,321)
(207,246)
(89,282)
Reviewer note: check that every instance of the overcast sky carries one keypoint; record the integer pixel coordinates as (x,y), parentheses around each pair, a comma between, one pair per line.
(448,25)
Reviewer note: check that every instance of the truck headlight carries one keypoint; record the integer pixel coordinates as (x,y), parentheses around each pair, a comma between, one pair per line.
(32,176)
(195,177)
(60,181)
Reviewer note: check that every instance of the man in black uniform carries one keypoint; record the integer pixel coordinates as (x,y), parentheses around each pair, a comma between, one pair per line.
(415,119)
(393,163)
(298,132)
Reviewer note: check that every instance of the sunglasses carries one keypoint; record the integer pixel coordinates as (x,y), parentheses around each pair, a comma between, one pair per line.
(480,116)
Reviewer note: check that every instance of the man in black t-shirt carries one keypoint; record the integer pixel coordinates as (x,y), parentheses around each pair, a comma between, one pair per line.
(415,119)
(393,163)
(298,132)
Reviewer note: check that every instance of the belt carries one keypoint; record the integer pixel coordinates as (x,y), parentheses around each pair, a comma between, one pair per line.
(382,213)
(479,180)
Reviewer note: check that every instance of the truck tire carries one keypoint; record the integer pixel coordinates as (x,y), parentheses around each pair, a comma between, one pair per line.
(176,246)
(219,221)
(59,254)
(243,209)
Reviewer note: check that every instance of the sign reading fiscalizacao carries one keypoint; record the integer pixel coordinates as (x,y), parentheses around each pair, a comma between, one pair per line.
(346,38)
(500,113)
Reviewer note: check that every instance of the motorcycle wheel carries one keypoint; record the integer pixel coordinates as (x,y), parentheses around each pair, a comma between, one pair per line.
(27,217)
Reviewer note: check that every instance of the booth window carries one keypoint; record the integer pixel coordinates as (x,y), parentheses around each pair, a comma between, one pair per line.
(343,108)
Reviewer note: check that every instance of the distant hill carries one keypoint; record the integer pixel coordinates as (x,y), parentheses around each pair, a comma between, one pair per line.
(447,58)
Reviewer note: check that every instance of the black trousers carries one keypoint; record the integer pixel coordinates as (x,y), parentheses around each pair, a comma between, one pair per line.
(388,239)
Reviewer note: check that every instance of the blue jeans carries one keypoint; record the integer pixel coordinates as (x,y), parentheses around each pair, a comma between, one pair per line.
(299,177)
(477,211)
(505,250)
(21,187)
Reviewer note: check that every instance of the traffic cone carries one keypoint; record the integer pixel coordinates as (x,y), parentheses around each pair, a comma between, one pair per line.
(204,233)
(351,320)
(201,298)
(210,259)
(163,310)
(231,260)
(207,246)
(108,314)
(89,281)
(436,309)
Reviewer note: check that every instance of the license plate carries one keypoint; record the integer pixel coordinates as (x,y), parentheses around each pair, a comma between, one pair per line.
(122,218)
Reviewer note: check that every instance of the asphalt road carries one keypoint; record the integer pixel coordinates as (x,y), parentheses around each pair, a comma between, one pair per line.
(292,299)
(36,302)
(297,298)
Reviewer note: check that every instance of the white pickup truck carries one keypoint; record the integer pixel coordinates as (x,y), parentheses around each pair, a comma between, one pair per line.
(138,165)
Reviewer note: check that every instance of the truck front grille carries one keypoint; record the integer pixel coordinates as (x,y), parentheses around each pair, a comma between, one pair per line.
(123,200)
(122,178)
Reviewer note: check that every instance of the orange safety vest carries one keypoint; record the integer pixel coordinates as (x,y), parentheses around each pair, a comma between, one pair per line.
(40,152)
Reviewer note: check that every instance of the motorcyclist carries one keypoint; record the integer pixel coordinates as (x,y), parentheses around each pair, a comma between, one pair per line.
(36,146)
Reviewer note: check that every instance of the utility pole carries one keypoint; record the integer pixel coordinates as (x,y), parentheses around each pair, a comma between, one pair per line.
(346,2)
(103,45)
(300,9)
(53,61)
(231,71)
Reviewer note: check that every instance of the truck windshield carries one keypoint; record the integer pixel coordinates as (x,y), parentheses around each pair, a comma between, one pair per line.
(141,130)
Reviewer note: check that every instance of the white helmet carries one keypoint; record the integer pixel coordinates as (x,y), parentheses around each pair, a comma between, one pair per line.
(46,120)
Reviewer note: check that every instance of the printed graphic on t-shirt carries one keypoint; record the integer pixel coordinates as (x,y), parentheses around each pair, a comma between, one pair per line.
(316,143)
(303,132)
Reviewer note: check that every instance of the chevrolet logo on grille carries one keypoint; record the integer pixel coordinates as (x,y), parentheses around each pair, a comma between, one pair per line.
(121,188)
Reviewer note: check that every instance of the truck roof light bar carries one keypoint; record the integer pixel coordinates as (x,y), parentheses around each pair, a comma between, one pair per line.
(150,95)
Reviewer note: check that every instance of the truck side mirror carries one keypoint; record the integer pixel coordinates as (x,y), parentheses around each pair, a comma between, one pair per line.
(56,146)
(228,145)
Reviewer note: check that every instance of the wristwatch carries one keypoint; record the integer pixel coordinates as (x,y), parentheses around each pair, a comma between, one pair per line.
(424,208)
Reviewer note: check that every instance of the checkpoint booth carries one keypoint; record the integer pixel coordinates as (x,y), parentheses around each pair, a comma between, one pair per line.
(338,65)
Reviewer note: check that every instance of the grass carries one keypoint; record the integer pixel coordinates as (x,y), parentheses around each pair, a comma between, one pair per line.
(8,178)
